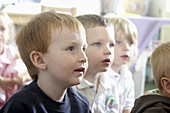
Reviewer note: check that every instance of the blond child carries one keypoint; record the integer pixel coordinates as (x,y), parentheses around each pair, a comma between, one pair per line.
(125,50)
(97,87)
(52,46)
(157,102)
(13,72)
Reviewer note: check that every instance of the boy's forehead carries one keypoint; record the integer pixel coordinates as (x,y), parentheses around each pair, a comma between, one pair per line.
(100,33)
(120,34)
(66,33)
(67,29)
(96,28)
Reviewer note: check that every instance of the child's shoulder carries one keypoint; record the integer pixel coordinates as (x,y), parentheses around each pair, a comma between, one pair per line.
(106,81)
(22,97)
(25,92)
(151,103)
(125,72)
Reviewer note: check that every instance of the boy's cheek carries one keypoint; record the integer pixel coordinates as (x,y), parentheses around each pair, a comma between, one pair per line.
(112,57)
(86,66)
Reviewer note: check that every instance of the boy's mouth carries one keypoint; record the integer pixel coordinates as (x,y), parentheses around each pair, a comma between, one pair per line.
(79,70)
(106,61)
(125,56)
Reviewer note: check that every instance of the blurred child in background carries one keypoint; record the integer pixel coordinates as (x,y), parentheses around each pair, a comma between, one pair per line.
(13,72)
(125,50)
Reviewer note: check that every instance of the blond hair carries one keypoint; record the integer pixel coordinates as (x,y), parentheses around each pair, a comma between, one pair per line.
(126,26)
(160,62)
(10,25)
(36,35)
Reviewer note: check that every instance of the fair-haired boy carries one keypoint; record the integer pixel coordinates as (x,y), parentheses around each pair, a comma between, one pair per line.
(125,50)
(97,87)
(52,46)
(157,102)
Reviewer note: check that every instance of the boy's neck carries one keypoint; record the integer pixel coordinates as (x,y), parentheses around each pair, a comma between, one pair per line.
(166,94)
(116,68)
(54,93)
(61,98)
(92,77)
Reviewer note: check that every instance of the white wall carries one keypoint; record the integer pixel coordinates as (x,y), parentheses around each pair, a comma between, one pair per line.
(157,8)
(83,6)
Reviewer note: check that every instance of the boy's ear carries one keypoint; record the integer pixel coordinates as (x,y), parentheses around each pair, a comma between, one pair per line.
(37,60)
(166,84)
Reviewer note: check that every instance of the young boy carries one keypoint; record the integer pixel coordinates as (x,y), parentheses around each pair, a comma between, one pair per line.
(125,50)
(52,47)
(98,88)
(158,102)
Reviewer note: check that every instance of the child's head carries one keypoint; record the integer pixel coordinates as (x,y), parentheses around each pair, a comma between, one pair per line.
(100,40)
(125,38)
(159,60)
(53,43)
(6,30)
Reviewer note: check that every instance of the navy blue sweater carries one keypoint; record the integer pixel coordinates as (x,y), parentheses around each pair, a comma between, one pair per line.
(31,99)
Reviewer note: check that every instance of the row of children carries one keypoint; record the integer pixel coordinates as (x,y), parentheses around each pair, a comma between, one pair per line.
(59,53)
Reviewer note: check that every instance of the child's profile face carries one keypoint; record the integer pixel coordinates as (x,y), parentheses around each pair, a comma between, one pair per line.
(4,33)
(66,60)
(100,50)
(123,49)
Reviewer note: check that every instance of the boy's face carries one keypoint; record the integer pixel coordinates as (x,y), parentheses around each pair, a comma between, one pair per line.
(66,60)
(123,49)
(4,33)
(100,50)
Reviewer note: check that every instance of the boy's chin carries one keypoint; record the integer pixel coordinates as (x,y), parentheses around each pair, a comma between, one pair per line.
(104,69)
(79,80)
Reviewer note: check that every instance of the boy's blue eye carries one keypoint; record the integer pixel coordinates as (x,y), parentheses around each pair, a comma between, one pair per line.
(71,48)
(111,45)
(2,29)
(117,42)
(97,44)
(130,43)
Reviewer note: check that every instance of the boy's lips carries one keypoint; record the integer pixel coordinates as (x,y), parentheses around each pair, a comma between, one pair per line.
(125,57)
(80,70)
(106,61)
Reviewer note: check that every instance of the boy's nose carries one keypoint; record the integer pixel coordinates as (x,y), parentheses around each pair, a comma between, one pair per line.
(107,51)
(1,32)
(126,47)
(83,57)
(1,35)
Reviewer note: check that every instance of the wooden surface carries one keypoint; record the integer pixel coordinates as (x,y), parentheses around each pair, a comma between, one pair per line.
(21,18)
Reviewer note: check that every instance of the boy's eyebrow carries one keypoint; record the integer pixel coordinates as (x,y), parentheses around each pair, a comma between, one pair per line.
(76,43)
(72,42)
(99,40)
